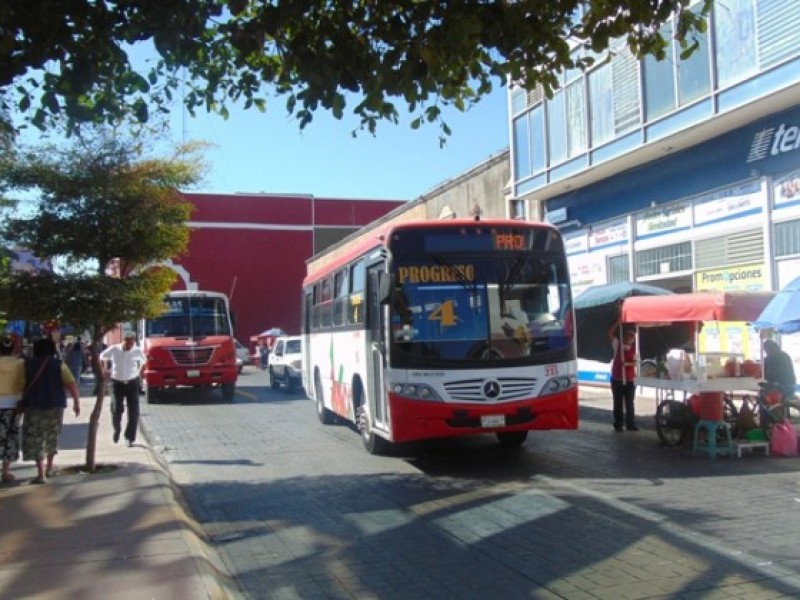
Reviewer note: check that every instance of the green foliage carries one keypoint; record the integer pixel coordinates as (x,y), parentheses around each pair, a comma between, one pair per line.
(105,214)
(70,60)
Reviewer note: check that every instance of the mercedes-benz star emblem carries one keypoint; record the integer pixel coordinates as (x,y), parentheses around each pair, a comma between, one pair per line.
(491,389)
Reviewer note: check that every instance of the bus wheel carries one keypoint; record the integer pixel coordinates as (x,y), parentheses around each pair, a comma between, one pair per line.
(373,443)
(228,390)
(151,395)
(512,439)
(323,414)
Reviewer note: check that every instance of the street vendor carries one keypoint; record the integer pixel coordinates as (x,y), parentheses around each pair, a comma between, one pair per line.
(778,369)
(623,373)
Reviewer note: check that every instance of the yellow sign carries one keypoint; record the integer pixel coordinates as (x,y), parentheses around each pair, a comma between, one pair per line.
(737,338)
(750,278)
(436,273)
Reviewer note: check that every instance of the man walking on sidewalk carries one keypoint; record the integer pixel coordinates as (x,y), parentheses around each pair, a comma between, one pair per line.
(127,365)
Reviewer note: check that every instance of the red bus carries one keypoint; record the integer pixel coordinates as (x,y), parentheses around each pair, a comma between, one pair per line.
(190,345)
(437,329)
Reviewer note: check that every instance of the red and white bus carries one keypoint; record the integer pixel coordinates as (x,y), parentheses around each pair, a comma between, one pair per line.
(442,328)
(190,345)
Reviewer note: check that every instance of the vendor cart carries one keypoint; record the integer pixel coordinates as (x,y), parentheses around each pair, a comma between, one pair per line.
(709,381)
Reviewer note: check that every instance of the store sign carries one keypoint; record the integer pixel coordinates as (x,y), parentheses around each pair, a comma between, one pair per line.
(559,215)
(772,141)
(610,233)
(730,202)
(576,243)
(662,220)
(751,278)
(787,189)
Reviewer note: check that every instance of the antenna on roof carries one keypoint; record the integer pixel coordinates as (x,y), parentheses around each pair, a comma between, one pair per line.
(476,212)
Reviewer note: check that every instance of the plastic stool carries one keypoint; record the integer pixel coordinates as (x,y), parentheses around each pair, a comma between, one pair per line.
(710,446)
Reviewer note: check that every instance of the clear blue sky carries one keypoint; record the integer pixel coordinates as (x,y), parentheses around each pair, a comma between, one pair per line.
(267,152)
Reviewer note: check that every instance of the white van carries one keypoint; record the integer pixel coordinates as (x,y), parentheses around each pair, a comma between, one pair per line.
(286,363)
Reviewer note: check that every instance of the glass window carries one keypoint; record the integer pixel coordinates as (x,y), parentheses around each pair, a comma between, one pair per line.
(787,238)
(519,100)
(618,269)
(340,300)
(667,259)
(576,118)
(538,138)
(355,311)
(694,78)
(522,147)
(512,309)
(601,105)
(735,41)
(659,82)
(557,128)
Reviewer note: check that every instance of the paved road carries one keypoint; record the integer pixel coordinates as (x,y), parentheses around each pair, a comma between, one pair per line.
(299,510)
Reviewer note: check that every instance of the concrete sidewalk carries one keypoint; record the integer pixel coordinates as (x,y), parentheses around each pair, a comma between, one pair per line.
(118,533)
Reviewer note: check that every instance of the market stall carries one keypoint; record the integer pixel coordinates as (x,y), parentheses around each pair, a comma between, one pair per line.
(712,376)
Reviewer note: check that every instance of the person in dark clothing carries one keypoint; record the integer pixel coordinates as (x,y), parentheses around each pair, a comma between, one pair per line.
(778,369)
(47,381)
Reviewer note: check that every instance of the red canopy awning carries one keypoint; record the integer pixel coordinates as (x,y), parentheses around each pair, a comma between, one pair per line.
(698,306)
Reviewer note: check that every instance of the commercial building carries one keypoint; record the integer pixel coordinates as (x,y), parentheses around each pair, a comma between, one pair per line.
(683,173)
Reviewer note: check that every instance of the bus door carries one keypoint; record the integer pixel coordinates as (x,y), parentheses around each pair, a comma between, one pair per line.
(377,343)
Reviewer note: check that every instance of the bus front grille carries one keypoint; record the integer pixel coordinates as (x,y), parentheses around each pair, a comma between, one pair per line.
(501,389)
(192,357)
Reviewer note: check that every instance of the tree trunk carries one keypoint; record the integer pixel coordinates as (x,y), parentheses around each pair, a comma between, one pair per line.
(94,418)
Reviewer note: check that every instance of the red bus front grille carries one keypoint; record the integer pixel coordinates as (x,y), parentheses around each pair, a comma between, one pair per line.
(192,357)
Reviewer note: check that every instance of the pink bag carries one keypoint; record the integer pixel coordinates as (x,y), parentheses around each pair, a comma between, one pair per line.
(783,441)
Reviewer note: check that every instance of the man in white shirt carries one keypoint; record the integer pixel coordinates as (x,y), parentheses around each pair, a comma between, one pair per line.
(127,365)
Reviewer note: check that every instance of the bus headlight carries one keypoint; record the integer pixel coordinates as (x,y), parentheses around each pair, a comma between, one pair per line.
(417,391)
(559,384)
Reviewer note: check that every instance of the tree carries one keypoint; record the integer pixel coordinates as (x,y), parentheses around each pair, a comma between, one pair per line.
(105,214)
(72,59)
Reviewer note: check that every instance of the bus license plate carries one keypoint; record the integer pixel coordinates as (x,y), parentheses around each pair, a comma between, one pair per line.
(193,373)
(493,421)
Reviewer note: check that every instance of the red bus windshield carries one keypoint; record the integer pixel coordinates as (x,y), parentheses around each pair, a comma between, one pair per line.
(465,298)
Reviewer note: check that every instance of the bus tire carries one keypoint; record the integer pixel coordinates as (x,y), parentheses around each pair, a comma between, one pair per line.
(323,414)
(228,391)
(151,395)
(512,439)
(373,443)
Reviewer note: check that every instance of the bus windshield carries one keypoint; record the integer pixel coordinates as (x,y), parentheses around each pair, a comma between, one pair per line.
(191,316)
(511,307)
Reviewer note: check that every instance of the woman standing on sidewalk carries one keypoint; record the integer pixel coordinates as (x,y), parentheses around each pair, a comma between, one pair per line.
(12,382)
(47,380)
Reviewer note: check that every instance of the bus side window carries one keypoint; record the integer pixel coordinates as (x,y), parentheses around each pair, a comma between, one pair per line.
(316,309)
(340,298)
(355,312)
(326,307)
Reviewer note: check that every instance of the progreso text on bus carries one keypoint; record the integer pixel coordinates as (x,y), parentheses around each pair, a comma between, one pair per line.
(436,329)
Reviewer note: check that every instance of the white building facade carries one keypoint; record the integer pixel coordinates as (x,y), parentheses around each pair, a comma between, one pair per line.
(682,173)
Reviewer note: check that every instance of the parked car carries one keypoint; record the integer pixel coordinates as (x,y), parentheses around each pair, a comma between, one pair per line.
(242,355)
(286,363)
